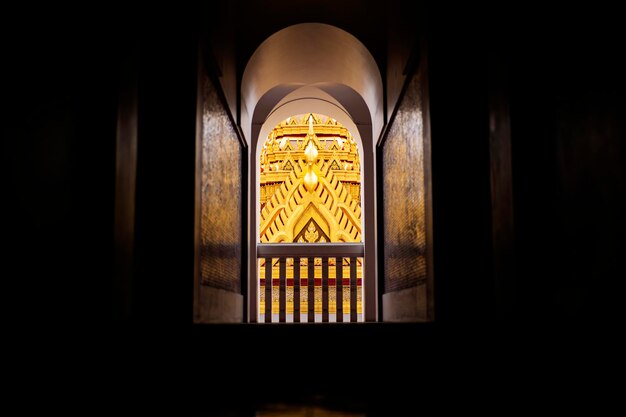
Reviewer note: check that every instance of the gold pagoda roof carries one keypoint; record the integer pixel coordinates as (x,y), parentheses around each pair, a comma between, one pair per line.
(310,182)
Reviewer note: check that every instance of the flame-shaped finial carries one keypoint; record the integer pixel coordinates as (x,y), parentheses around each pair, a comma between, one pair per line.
(310,181)
(310,178)
(311,153)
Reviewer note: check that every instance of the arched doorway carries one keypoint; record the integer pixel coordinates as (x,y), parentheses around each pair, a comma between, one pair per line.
(334,75)
(310,193)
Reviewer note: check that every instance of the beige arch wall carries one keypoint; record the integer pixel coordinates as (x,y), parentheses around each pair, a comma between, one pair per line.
(311,54)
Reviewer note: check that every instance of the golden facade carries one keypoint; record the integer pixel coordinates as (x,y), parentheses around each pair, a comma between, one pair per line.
(310,187)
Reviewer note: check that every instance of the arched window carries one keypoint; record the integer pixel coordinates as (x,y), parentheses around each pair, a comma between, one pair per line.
(335,76)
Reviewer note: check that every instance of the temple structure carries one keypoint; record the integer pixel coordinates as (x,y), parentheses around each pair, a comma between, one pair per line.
(310,183)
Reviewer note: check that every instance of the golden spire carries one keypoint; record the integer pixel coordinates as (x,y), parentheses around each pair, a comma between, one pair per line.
(310,178)
(311,153)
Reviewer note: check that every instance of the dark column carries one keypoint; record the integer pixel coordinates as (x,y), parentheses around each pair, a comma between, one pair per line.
(282,296)
(311,290)
(339,283)
(268,290)
(296,290)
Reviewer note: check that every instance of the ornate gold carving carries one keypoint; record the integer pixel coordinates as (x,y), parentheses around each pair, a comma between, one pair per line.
(310,161)
(311,234)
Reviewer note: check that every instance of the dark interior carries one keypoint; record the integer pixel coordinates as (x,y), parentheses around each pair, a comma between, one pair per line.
(526,306)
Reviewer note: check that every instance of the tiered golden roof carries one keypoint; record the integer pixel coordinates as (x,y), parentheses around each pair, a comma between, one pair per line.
(310,182)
